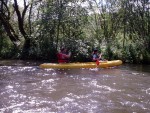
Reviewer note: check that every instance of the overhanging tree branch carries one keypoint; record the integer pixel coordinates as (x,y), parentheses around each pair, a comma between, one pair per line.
(21,17)
(5,18)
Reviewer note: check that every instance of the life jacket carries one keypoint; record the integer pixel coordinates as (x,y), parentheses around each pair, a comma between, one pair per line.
(94,56)
(61,59)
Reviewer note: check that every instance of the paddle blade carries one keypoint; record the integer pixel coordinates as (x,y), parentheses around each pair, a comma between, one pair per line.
(97,62)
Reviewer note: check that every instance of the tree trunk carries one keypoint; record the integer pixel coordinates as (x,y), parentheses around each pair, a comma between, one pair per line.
(26,48)
(10,31)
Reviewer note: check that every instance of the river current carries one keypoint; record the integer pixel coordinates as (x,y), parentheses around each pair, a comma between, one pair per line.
(26,88)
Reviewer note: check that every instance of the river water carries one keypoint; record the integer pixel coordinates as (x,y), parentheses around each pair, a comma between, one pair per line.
(25,88)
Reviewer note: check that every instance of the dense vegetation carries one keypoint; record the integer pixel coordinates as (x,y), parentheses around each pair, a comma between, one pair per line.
(36,30)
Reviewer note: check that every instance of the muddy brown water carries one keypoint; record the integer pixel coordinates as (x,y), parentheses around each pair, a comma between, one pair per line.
(25,88)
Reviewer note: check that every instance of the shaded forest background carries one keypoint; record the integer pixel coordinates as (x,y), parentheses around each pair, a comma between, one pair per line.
(36,30)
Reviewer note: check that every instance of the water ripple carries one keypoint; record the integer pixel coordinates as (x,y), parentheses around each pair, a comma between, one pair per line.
(29,89)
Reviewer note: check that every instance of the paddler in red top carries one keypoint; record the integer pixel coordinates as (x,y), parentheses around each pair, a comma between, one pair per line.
(62,56)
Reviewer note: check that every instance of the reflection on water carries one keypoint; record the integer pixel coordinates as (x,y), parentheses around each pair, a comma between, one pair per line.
(29,89)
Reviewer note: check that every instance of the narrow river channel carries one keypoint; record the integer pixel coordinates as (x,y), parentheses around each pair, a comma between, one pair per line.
(25,88)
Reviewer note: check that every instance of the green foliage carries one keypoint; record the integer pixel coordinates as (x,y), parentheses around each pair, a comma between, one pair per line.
(119,28)
(7,49)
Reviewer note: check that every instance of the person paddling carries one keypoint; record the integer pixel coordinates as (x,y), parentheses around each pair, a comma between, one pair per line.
(96,56)
(62,56)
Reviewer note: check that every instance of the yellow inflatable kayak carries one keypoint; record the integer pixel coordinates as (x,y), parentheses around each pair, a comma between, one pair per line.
(102,64)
